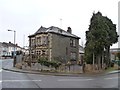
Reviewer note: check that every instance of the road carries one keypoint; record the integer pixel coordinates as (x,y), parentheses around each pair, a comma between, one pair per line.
(25,80)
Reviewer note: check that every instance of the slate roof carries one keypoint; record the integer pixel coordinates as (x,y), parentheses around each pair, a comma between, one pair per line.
(55,30)
(81,49)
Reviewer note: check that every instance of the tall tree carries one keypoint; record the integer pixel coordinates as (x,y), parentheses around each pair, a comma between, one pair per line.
(102,33)
(111,38)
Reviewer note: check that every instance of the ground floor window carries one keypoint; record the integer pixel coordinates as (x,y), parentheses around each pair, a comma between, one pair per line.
(73,56)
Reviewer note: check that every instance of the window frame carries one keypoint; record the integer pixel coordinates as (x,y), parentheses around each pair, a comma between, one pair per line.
(73,56)
(72,42)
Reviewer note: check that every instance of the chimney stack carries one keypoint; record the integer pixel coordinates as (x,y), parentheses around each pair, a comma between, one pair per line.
(69,30)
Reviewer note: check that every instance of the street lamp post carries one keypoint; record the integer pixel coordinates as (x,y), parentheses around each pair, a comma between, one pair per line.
(14,61)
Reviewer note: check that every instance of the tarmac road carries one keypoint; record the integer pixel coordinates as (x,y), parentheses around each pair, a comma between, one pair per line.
(24,80)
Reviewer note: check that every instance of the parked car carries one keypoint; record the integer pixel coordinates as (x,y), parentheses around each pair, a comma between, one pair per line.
(116,62)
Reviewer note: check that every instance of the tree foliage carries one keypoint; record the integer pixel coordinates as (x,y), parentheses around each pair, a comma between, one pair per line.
(101,35)
(45,62)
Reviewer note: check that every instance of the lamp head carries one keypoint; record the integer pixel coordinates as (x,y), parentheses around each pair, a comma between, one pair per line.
(9,30)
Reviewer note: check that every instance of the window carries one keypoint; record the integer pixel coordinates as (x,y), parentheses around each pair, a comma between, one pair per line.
(38,40)
(44,40)
(43,52)
(72,42)
(73,56)
(32,42)
(39,52)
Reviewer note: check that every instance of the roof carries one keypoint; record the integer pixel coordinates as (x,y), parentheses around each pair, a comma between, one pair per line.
(4,44)
(115,49)
(81,49)
(9,45)
(55,30)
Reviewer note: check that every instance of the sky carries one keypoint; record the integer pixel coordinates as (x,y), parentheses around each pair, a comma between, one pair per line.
(27,16)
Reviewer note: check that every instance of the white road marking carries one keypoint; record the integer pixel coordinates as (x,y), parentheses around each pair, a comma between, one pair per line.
(0,81)
(117,71)
(74,79)
(111,78)
(41,75)
(21,80)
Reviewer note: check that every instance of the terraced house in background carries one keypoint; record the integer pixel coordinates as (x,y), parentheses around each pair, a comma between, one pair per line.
(7,49)
(55,44)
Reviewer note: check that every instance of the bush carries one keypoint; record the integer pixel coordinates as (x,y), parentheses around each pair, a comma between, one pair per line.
(44,61)
(55,64)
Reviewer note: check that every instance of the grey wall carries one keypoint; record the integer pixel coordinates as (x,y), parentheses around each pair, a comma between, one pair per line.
(59,45)
(19,58)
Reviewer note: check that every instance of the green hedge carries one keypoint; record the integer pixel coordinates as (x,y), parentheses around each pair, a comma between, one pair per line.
(52,63)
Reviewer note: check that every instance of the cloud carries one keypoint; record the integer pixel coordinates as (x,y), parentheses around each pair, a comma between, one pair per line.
(26,16)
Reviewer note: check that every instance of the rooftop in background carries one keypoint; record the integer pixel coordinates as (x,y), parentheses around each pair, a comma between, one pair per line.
(115,49)
(5,44)
(81,49)
(55,30)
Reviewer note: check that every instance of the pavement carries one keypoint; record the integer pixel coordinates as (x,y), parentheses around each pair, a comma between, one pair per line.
(14,69)
(8,65)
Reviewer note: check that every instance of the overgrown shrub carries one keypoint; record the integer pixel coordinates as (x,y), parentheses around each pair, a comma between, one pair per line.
(52,63)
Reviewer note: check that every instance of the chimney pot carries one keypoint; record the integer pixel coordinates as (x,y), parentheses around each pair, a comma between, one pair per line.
(69,30)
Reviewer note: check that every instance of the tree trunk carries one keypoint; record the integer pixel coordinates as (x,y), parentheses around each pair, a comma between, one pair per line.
(102,59)
(99,64)
(93,61)
(108,56)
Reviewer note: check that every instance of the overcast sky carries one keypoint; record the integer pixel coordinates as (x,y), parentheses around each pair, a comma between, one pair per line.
(27,16)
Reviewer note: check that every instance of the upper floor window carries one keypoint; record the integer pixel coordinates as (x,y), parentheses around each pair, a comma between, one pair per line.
(72,42)
(44,40)
(32,42)
(38,40)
